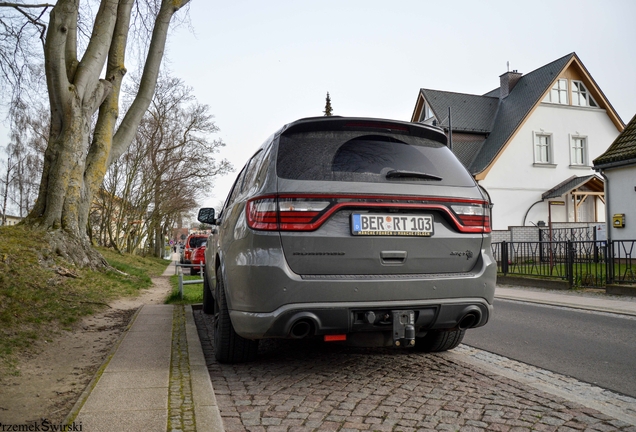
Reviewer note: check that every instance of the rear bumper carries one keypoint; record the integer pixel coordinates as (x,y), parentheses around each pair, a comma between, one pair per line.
(267,301)
(350,317)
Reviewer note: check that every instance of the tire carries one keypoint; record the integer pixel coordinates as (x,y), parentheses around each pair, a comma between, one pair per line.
(229,347)
(438,341)
(208,300)
(193,272)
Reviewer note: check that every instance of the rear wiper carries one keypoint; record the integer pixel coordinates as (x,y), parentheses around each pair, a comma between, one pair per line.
(412,174)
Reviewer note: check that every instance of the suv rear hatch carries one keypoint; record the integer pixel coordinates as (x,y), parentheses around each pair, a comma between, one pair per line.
(193,242)
(372,198)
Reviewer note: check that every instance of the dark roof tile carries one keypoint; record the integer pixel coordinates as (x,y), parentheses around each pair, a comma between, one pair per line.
(514,108)
(467,150)
(470,113)
(489,116)
(622,150)
(571,184)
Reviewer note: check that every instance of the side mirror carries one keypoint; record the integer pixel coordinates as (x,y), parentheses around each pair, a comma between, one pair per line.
(206,215)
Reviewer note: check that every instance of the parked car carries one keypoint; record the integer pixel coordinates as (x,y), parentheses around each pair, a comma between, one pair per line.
(192,242)
(365,231)
(198,257)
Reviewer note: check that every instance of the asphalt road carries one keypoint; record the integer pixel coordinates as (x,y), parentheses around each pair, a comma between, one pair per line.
(597,348)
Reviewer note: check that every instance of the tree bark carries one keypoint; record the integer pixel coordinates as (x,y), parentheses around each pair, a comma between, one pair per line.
(73,170)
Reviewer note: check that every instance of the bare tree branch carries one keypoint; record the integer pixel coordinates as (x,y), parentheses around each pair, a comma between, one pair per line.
(169,165)
(33,19)
(25,5)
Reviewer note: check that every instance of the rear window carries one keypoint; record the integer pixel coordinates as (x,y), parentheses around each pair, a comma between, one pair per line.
(359,157)
(195,242)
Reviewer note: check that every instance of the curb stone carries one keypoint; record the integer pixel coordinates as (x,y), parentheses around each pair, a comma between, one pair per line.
(620,407)
(206,410)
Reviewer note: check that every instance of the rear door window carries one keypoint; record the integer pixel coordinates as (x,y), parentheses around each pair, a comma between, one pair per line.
(236,189)
(359,157)
(251,168)
(195,242)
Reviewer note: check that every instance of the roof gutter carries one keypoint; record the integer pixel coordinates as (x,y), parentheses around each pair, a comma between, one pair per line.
(614,164)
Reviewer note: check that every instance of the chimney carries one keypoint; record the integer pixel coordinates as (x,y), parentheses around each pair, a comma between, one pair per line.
(507,83)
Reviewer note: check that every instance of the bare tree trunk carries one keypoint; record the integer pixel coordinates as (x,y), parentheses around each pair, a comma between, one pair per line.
(75,93)
(73,170)
(7,179)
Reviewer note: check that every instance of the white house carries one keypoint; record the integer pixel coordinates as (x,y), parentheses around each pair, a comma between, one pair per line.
(618,166)
(9,220)
(531,142)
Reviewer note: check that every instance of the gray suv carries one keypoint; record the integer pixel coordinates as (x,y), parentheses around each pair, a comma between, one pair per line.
(365,231)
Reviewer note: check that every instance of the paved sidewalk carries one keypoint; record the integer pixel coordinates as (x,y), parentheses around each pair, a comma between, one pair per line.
(601,303)
(154,379)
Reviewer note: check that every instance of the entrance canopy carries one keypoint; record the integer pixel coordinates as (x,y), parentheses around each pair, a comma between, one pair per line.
(578,190)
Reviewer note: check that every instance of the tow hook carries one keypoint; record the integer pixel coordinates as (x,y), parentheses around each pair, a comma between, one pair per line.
(403,328)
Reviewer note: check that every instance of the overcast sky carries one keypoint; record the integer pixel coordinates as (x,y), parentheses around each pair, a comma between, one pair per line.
(262,64)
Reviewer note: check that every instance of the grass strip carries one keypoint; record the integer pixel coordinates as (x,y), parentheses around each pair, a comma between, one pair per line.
(41,294)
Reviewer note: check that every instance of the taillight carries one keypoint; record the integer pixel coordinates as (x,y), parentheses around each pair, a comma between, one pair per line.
(473,218)
(298,214)
(376,125)
(309,212)
(262,214)
(285,213)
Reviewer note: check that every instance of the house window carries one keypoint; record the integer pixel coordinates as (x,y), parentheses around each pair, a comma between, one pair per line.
(559,93)
(578,153)
(580,95)
(427,112)
(542,148)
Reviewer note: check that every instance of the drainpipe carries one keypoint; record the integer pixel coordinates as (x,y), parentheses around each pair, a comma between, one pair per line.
(608,230)
(608,225)
(528,211)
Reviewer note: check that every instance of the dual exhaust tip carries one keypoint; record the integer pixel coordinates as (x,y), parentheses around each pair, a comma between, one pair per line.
(469,320)
(301,329)
(304,327)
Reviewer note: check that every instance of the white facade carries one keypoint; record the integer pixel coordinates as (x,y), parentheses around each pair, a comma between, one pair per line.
(621,192)
(521,175)
(11,220)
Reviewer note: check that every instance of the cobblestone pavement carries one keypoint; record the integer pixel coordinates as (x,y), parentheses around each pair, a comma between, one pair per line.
(308,386)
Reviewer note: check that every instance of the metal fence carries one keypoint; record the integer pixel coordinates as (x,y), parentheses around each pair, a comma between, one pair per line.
(178,271)
(581,263)
(623,261)
(565,234)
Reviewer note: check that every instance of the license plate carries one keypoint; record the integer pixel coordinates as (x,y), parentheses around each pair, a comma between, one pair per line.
(392,225)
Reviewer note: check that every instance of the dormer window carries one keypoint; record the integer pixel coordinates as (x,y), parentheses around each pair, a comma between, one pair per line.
(427,112)
(559,93)
(580,95)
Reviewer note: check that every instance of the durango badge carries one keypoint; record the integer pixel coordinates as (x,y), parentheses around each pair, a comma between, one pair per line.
(468,254)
